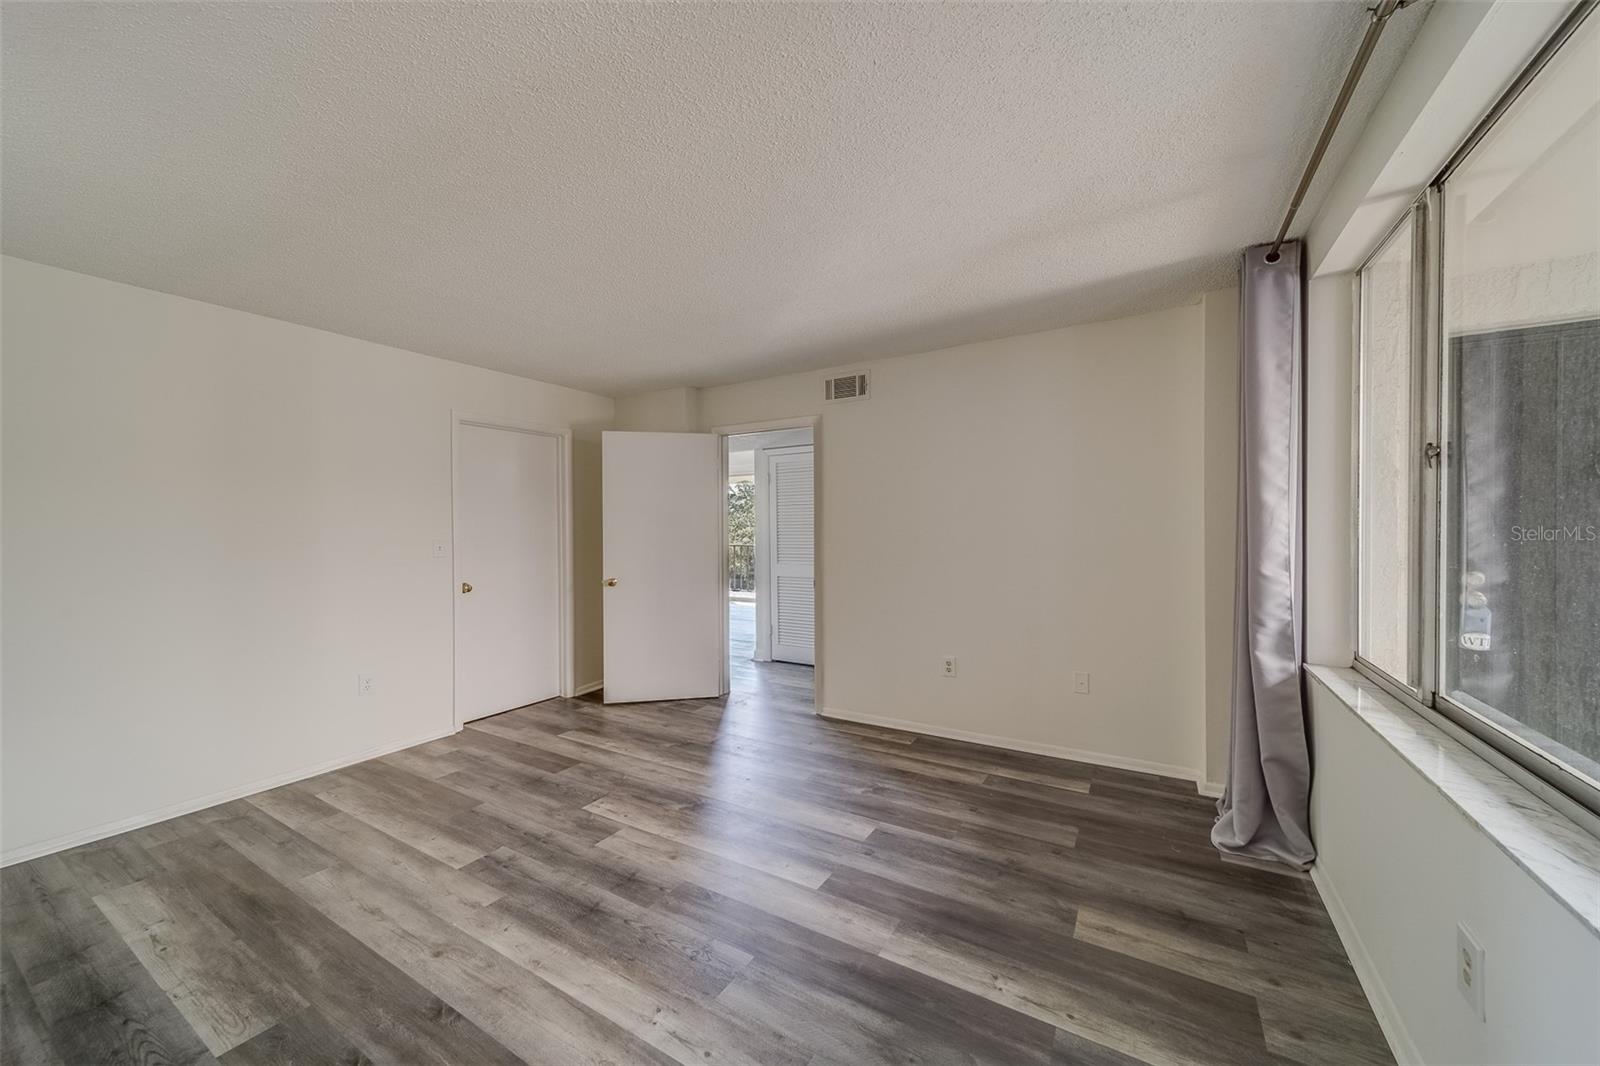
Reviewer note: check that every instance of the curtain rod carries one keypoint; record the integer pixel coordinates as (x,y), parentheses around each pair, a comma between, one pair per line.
(1379,18)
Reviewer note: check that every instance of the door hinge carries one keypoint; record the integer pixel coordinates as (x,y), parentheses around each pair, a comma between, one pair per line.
(1431,453)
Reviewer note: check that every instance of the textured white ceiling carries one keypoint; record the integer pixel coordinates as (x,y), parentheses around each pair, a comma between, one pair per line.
(621,197)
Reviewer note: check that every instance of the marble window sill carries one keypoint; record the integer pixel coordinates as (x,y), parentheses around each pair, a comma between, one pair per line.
(1555,852)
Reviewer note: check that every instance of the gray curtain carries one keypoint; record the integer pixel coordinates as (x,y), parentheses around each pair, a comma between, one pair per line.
(1264,812)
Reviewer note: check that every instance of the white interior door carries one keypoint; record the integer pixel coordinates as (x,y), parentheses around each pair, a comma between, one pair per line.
(507,569)
(665,595)
(791,570)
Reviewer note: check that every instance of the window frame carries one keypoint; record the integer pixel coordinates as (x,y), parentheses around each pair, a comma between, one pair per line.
(1414,686)
(1433,427)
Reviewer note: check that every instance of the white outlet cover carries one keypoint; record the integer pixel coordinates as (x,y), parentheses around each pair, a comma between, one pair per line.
(364,684)
(1080,683)
(1470,971)
(948,665)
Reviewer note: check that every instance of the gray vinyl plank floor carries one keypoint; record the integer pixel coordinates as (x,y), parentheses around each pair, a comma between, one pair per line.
(730,880)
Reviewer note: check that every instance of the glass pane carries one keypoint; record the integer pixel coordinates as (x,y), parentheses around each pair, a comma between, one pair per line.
(1388,455)
(1521,582)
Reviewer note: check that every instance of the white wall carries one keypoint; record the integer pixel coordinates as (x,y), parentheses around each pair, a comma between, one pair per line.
(1221,521)
(1399,865)
(213,523)
(1034,506)
(1330,606)
(664,411)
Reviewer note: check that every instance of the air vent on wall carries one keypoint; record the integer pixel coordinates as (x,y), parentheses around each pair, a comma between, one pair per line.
(846,387)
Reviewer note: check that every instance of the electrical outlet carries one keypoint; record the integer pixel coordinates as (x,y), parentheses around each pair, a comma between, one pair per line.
(1469,971)
(1080,683)
(364,684)
(948,666)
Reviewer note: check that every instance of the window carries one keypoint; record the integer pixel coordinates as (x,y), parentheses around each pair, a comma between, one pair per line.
(1388,449)
(1478,560)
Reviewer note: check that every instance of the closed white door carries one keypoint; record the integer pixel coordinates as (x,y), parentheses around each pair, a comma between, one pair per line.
(791,572)
(507,570)
(665,593)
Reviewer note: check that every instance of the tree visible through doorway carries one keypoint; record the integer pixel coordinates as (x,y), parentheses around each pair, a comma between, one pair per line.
(741,536)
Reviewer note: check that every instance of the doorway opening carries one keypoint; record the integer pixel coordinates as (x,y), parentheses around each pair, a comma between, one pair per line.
(771,553)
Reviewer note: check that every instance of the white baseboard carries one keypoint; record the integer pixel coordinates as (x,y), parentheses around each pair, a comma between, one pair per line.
(1214,789)
(593,686)
(1383,1008)
(138,821)
(1010,744)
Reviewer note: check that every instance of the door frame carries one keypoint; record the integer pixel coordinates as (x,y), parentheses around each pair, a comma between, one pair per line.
(814,424)
(563,439)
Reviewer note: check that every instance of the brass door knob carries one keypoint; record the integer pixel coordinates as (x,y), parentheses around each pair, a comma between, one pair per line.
(611,582)
(465,588)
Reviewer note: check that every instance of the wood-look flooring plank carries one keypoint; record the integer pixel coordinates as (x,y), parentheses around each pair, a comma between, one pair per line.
(840,997)
(24,1036)
(1048,766)
(424,762)
(1309,1033)
(660,949)
(641,967)
(1120,887)
(217,982)
(1149,1015)
(730,880)
(990,819)
(380,1005)
(450,892)
(650,771)
(1091,810)
(736,880)
(912,802)
(296,803)
(304,1038)
(274,846)
(676,1028)
(525,1015)
(489,775)
(1022,934)
(86,985)
(402,786)
(864,758)
(423,828)
(110,864)
(477,739)
(1262,976)
(687,827)
(958,874)
(760,797)
(570,856)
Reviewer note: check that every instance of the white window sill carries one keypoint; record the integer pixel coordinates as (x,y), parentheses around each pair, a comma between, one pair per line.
(1555,852)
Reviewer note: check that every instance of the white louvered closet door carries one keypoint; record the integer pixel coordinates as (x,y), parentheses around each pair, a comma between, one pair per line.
(792,574)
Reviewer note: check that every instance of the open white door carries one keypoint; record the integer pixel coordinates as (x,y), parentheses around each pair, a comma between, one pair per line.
(791,573)
(665,597)
(508,569)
